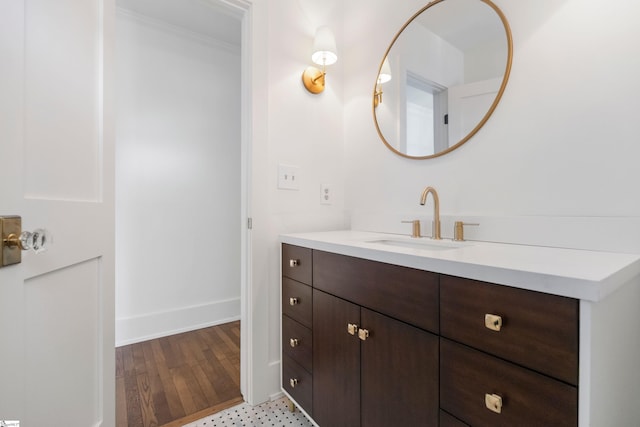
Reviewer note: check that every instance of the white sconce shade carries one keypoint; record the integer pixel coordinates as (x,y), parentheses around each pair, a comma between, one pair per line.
(324,53)
(385,72)
(324,47)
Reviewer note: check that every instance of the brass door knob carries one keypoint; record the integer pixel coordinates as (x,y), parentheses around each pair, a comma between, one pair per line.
(294,301)
(293,342)
(294,262)
(293,382)
(13,240)
(363,334)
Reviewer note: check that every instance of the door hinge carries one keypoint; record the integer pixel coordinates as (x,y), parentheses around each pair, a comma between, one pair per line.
(249,223)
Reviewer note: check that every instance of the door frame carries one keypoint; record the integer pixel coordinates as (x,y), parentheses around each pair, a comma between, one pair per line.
(246,137)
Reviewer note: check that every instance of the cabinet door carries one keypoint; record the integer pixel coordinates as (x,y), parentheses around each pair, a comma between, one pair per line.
(336,362)
(399,373)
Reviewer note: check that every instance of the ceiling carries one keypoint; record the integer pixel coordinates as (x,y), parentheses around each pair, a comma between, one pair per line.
(211,18)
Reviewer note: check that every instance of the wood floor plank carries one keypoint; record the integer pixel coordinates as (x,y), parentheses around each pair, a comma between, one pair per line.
(220,378)
(119,363)
(198,396)
(176,408)
(205,385)
(232,345)
(134,413)
(146,401)
(121,402)
(138,359)
(178,379)
(184,394)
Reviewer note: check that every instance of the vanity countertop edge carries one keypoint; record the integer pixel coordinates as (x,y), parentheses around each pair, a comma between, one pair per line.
(574,273)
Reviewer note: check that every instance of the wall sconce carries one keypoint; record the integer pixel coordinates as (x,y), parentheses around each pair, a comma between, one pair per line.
(324,53)
(383,77)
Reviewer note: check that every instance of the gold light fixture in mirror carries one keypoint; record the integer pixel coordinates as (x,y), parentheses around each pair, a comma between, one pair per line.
(324,53)
(451,62)
(384,76)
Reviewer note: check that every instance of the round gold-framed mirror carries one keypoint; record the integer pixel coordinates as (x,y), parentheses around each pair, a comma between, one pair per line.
(442,77)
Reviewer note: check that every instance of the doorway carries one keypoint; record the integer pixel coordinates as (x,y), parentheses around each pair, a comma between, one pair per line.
(179,163)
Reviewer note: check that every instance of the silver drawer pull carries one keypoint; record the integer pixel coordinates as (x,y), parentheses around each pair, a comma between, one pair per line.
(293,342)
(493,402)
(294,262)
(293,382)
(493,322)
(294,301)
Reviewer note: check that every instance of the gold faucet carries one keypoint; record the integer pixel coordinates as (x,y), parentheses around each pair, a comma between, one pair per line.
(436,210)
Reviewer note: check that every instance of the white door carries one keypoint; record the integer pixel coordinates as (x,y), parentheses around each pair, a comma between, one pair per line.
(56,172)
(468,104)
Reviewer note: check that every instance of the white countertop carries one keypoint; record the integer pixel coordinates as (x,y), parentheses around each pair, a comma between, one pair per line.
(586,275)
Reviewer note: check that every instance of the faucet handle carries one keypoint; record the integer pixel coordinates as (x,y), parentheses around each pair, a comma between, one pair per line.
(458,230)
(415,232)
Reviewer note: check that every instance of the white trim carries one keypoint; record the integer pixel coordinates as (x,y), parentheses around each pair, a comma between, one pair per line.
(246,248)
(161,324)
(176,30)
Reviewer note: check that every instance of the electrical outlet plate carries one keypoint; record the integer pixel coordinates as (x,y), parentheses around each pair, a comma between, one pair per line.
(326,196)
(288,177)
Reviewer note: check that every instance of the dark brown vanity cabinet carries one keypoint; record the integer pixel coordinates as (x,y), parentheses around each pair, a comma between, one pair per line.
(297,336)
(385,374)
(375,345)
(384,345)
(508,356)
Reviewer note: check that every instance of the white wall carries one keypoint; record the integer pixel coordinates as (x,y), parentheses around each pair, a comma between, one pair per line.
(177,180)
(557,163)
(293,127)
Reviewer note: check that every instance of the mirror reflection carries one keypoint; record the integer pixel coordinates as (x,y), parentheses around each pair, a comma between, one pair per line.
(442,77)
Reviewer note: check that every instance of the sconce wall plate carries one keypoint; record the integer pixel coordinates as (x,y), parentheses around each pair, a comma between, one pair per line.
(313,80)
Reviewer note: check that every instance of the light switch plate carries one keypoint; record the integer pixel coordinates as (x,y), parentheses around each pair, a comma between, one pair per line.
(288,177)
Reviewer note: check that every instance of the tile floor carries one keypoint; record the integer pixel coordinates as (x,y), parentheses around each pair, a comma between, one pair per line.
(270,414)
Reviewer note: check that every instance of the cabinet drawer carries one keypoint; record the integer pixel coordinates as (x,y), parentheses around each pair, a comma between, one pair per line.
(539,331)
(403,293)
(298,383)
(296,301)
(297,342)
(528,398)
(297,263)
(447,420)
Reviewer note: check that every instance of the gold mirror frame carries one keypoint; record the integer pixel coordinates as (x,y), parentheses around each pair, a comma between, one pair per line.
(493,106)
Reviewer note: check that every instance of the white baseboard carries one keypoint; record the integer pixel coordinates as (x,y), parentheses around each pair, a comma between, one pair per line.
(135,329)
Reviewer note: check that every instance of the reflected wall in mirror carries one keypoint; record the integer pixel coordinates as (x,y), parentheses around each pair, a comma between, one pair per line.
(442,76)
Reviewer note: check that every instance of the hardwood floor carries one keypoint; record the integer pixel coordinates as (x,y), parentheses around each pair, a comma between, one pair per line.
(178,379)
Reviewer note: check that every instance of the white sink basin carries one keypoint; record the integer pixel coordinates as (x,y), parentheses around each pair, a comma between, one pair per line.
(421,243)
